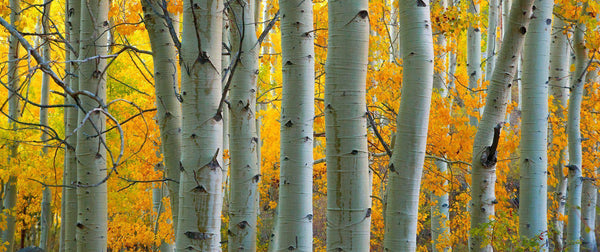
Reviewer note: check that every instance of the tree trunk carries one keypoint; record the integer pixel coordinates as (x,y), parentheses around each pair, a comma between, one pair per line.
(166,84)
(559,83)
(294,223)
(486,139)
(45,218)
(69,223)
(574,140)
(243,140)
(200,184)
(347,154)
(474,53)
(91,151)
(490,60)
(440,214)
(533,225)
(588,212)
(14,107)
(45,92)
(406,167)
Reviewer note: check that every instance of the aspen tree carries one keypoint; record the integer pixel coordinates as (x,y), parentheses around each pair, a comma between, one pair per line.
(533,160)
(574,140)
(45,92)
(294,221)
(488,132)
(474,52)
(243,139)
(406,166)
(91,227)
(347,154)
(69,222)
(165,87)
(493,13)
(14,113)
(200,183)
(45,218)
(589,196)
(559,83)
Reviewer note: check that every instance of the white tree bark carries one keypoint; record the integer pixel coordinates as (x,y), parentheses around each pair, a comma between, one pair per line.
(45,92)
(406,167)
(165,86)
(533,160)
(200,184)
(559,87)
(243,139)
(294,221)
(348,190)
(493,14)
(440,215)
(91,234)
(474,53)
(486,139)
(574,140)
(45,218)
(588,212)
(68,224)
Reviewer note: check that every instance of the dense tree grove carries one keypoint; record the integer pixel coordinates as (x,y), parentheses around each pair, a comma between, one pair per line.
(279,125)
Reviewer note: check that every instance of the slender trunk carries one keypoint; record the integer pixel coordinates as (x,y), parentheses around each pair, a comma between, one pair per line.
(574,140)
(243,140)
(45,92)
(490,61)
(200,184)
(395,52)
(294,223)
(69,198)
(348,190)
(406,167)
(533,225)
(588,214)
(14,107)
(488,132)
(67,80)
(91,152)
(559,83)
(168,107)
(474,53)
(45,218)
(440,214)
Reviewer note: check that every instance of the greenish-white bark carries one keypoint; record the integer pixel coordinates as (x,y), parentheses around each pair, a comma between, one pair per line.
(490,61)
(406,166)
(486,139)
(14,112)
(395,52)
(559,88)
(574,140)
(294,223)
(474,52)
(200,184)
(91,234)
(588,214)
(69,198)
(347,154)
(440,214)
(533,225)
(165,87)
(243,139)
(45,218)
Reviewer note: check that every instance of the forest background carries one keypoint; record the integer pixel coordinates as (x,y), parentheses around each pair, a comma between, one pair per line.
(138,205)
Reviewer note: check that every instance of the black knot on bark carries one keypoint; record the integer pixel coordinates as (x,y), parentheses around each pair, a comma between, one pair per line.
(363,14)
(522,30)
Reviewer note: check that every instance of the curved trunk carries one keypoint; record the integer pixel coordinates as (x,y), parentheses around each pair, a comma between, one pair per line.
(406,167)
(533,225)
(200,183)
(91,234)
(294,221)
(347,154)
(574,140)
(168,107)
(486,139)
(559,83)
(243,139)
